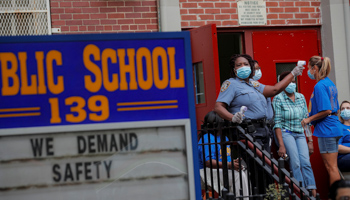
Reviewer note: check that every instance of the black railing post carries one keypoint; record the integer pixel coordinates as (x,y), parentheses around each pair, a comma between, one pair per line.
(224,156)
(291,182)
(285,188)
(318,196)
(224,193)
(230,196)
(280,173)
(301,192)
(256,192)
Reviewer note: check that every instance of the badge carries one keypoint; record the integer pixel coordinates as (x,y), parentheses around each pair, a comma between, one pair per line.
(225,86)
(255,83)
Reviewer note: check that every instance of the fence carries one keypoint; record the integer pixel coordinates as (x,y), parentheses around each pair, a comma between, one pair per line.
(267,177)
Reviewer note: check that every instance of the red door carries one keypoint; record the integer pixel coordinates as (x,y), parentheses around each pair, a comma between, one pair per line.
(278,51)
(206,74)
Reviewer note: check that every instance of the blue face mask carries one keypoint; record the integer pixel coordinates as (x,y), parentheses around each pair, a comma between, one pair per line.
(291,88)
(257,75)
(345,114)
(244,72)
(310,75)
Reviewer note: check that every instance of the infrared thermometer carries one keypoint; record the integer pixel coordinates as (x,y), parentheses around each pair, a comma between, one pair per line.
(301,63)
(243,109)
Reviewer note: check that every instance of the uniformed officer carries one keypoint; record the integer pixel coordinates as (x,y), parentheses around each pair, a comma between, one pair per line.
(270,112)
(241,90)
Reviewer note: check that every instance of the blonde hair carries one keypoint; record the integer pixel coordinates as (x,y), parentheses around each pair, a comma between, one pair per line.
(323,64)
(340,118)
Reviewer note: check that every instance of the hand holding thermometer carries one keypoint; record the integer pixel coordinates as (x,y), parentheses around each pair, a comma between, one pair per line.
(238,116)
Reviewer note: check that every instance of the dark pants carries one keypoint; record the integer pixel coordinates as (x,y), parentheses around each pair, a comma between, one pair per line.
(258,176)
(344,163)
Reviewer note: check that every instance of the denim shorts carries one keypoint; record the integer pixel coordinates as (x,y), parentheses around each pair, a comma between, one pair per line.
(328,144)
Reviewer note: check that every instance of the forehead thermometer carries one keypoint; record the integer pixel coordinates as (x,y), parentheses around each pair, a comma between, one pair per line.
(301,62)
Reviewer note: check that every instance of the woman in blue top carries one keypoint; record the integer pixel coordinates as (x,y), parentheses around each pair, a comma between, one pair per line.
(344,142)
(323,108)
(290,108)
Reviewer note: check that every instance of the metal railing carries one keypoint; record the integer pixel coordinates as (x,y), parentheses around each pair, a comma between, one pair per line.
(267,177)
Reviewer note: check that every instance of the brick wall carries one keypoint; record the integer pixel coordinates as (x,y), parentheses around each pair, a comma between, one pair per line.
(102,16)
(224,13)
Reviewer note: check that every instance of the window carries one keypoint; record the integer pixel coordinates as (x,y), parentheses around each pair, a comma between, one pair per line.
(283,67)
(24,17)
(199,82)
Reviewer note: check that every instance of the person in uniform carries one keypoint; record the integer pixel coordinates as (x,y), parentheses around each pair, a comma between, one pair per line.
(241,90)
(270,112)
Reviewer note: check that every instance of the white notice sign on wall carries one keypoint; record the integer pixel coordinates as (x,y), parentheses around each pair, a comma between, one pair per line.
(251,13)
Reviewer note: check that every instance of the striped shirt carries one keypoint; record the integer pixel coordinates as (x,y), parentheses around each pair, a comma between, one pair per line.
(289,114)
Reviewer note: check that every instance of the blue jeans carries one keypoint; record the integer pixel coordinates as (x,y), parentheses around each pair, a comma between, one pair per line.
(299,159)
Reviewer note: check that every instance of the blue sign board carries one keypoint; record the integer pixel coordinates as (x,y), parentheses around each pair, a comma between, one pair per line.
(87,79)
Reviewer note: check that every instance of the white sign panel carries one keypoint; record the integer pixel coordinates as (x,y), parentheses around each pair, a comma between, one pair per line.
(95,164)
(251,13)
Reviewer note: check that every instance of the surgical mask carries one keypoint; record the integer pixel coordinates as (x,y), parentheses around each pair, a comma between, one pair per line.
(310,75)
(291,88)
(244,72)
(345,114)
(257,75)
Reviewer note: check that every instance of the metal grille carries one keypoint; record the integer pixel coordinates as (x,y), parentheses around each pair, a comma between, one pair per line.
(24,17)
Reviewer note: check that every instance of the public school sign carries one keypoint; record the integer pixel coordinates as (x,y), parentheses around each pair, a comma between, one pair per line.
(92,116)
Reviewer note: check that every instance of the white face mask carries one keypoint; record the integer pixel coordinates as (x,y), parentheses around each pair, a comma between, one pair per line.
(258,74)
(244,72)
(345,114)
(291,88)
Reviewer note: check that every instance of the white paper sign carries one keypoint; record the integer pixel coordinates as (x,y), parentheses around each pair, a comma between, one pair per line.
(251,13)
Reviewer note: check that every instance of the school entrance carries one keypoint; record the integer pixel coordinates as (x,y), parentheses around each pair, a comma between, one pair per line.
(276,49)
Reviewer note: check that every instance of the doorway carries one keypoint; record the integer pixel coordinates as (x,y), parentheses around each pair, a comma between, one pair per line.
(229,43)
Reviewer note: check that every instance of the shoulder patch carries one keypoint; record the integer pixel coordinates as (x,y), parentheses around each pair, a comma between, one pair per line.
(255,83)
(225,85)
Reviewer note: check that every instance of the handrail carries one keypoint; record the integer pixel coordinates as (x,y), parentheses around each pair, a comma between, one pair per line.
(253,149)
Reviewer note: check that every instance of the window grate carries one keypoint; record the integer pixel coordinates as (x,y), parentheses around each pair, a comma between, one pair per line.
(24,17)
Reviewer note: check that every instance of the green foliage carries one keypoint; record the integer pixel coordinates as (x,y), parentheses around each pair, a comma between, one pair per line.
(276,192)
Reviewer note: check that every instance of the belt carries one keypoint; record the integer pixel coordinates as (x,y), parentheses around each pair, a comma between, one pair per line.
(288,131)
(334,114)
(258,121)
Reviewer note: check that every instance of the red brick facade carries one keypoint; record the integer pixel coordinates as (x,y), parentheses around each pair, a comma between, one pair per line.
(224,13)
(101,16)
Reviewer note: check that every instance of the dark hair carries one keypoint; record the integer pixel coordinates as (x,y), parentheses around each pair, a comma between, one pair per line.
(255,61)
(333,190)
(233,61)
(211,119)
(283,75)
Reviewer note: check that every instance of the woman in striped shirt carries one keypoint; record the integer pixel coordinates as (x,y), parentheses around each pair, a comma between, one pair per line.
(290,109)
